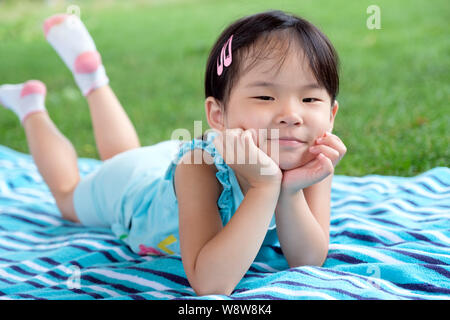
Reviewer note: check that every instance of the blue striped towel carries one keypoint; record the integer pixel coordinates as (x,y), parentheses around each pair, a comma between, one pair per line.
(390,239)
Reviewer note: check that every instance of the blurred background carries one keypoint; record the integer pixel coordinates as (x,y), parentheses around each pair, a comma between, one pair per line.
(395,78)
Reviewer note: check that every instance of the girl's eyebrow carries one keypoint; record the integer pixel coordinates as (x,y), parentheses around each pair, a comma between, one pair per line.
(270,84)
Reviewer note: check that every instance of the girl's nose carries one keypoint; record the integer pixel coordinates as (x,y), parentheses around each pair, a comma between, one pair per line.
(290,114)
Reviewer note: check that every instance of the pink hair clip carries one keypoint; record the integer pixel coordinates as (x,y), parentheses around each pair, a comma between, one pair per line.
(223,59)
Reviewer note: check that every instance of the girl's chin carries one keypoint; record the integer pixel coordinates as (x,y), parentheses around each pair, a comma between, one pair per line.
(289,164)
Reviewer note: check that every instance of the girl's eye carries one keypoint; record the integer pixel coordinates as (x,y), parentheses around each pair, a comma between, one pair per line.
(266,98)
(308,100)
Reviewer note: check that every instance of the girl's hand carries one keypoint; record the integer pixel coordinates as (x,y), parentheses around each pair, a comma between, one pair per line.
(239,148)
(330,150)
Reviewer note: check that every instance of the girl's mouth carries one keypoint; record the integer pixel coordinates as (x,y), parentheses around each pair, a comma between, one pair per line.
(289,142)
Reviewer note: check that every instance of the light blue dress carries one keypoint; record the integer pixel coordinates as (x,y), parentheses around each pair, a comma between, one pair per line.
(133,194)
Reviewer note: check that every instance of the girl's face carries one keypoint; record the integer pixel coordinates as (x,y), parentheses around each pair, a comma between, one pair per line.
(289,100)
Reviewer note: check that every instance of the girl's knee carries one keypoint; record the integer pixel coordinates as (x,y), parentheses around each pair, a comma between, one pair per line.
(66,206)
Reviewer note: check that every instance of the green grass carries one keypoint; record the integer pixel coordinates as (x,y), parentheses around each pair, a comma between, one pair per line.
(394,94)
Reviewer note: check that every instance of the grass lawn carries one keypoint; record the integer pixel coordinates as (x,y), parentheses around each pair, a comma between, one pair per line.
(394,94)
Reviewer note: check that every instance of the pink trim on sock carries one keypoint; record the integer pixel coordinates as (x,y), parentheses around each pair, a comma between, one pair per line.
(33,86)
(91,89)
(32,112)
(87,62)
(52,21)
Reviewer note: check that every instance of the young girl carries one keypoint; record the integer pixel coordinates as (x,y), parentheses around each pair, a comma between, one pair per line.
(271,80)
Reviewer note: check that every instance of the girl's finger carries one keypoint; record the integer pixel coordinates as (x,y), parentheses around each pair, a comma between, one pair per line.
(324,168)
(326,163)
(254,136)
(333,141)
(248,136)
(326,151)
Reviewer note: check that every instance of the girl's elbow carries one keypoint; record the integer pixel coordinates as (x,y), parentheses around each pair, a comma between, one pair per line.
(209,290)
(307,263)
(211,286)
(320,262)
(209,283)
(314,260)
(321,258)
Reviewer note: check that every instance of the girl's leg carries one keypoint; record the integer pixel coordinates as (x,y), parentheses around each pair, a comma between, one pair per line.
(53,154)
(113,130)
(56,160)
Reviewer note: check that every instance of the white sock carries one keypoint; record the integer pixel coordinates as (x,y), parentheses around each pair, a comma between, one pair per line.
(72,41)
(24,98)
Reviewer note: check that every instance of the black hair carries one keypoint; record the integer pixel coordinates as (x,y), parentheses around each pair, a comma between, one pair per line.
(259,28)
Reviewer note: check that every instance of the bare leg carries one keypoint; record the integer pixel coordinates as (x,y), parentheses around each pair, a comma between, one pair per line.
(114,133)
(56,160)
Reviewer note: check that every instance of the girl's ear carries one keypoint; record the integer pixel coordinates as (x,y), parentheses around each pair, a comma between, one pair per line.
(214,113)
(334,110)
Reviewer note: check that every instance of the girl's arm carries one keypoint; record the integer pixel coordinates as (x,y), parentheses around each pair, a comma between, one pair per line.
(303,222)
(303,210)
(216,258)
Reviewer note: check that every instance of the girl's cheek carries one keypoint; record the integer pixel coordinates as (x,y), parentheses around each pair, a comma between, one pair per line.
(320,129)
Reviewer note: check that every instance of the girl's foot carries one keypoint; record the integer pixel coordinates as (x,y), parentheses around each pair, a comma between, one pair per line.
(72,41)
(24,98)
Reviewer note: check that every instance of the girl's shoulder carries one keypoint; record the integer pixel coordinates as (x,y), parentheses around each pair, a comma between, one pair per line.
(196,169)
(199,162)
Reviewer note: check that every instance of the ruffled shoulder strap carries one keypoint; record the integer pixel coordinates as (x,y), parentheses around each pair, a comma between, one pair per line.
(224,202)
